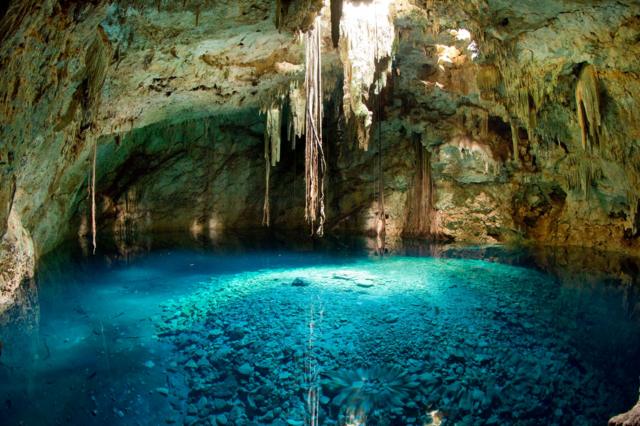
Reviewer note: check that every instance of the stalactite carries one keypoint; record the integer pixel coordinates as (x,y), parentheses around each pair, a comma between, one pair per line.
(588,106)
(488,80)
(336,15)
(97,61)
(297,108)
(282,8)
(524,111)
(484,124)
(272,144)
(366,42)
(315,165)
(93,195)
(515,140)
(584,171)
(525,93)
(272,133)
(634,203)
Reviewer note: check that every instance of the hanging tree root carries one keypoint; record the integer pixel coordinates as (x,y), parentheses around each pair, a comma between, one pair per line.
(272,144)
(315,165)
(93,196)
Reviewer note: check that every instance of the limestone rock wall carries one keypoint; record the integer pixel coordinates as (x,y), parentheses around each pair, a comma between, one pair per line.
(17,262)
(76,71)
(202,175)
(505,99)
(501,122)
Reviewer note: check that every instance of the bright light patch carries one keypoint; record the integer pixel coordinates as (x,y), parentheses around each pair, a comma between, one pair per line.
(366,39)
(196,228)
(369,34)
(461,34)
(436,417)
(215,226)
(474,49)
(447,54)
(433,84)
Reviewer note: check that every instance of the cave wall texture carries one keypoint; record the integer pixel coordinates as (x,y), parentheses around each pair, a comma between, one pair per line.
(530,134)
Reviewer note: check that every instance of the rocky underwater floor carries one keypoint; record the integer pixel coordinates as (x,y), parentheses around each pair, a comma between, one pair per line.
(283,336)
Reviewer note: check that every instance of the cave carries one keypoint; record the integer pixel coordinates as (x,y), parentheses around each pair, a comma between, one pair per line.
(320,212)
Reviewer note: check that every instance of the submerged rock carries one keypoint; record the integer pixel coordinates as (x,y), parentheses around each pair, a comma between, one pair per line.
(245,369)
(299,282)
(219,404)
(630,418)
(391,318)
(365,285)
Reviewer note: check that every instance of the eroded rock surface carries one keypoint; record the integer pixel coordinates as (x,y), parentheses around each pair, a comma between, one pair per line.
(630,418)
(499,122)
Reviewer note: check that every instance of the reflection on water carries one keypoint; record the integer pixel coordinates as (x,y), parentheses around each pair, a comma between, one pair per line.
(263,330)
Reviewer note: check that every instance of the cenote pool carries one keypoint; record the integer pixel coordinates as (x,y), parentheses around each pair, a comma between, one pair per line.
(231,334)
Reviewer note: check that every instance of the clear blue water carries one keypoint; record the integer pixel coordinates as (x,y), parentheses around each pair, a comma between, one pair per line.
(332,334)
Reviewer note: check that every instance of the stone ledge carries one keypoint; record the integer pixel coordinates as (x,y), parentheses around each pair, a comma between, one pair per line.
(630,418)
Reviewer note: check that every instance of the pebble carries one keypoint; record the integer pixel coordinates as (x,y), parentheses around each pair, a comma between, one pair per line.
(390,318)
(284,375)
(219,404)
(245,369)
(202,403)
(252,355)
(203,363)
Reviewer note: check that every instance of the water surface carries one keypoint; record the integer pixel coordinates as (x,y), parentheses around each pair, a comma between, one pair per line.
(228,333)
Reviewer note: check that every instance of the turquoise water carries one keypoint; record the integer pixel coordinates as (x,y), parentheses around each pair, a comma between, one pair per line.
(293,335)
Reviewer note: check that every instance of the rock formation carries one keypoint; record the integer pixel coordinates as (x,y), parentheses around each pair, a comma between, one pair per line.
(499,121)
(630,418)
